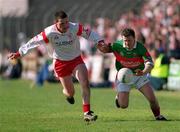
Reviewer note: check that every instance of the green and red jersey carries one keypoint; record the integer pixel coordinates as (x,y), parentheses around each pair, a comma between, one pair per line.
(133,59)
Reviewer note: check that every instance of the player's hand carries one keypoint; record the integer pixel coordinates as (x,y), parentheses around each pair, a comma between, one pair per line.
(13,55)
(103,47)
(139,72)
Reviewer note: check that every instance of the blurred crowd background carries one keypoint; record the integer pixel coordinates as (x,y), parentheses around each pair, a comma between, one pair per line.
(156,23)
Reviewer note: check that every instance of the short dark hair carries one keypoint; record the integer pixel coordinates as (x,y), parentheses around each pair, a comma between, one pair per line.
(128,32)
(60,15)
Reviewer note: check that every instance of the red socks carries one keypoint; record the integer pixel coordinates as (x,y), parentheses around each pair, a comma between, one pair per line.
(86,108)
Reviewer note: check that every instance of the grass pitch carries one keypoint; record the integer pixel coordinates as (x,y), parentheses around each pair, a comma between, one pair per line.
(44,109)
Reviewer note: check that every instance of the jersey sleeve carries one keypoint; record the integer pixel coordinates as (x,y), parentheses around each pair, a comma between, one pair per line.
(40,39)
(33,43)
(146,56)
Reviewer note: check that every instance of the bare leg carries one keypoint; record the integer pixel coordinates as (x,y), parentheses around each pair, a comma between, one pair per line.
(81,74)
(123,99)
(68,87)
(147,91)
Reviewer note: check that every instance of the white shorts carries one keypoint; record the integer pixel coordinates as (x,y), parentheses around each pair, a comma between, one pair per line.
(138,82)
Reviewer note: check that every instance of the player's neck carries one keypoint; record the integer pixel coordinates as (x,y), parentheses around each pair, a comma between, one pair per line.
(59,29)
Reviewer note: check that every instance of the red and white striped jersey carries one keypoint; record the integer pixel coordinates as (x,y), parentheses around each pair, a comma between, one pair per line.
(66,46)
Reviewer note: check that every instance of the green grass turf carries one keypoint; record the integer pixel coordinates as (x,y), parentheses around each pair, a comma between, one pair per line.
(44,109)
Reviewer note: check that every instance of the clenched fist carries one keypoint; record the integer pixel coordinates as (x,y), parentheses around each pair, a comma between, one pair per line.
(105,48)
(13,55)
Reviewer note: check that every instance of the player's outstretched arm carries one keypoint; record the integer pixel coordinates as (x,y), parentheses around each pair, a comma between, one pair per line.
(105,48)
(31,44)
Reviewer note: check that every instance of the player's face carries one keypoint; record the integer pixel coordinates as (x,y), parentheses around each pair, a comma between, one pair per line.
(63,25)
(129,41)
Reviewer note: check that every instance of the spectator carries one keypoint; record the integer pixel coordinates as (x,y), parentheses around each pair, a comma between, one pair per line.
(13,70)
(159,74)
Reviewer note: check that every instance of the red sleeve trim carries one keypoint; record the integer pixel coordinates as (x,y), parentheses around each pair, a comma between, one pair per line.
(45,37)
(80,30)
(17,55)
(147,54)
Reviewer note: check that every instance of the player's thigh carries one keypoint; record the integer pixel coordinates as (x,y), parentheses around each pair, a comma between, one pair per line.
(67,83)
(80,72)
(148,92)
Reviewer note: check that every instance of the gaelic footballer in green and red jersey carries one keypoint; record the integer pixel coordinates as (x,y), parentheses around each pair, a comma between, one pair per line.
(133,59)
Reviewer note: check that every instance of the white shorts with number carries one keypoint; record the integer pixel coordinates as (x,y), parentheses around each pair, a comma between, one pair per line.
(138,82)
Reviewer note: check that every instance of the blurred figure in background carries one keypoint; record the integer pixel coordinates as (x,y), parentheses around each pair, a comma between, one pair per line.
(4,63)
(97,70)
(159,73)
(13,70)
(9,69)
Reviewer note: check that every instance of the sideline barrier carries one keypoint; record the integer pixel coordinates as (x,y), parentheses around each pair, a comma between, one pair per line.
(174,76)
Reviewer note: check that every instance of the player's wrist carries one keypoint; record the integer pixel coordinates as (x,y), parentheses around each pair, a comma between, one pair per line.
(17,54)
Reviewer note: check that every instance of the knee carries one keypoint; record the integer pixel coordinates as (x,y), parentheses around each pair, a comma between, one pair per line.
(124,106)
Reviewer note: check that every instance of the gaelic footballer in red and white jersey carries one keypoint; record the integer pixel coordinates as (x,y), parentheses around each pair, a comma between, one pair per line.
(66,46)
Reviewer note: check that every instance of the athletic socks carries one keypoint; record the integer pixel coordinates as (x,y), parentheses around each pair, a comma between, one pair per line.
(86,108)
